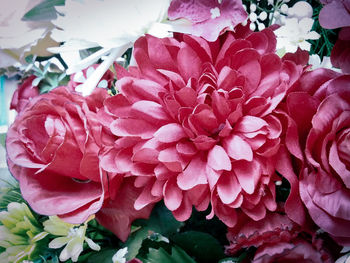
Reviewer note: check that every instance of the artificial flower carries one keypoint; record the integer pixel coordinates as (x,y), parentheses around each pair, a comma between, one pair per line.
(345,258)
(340,56)
(20,234)
(70,236)
(294,34)
(335,14)
(300,10)
(19,37)
(52,149)
(132,20)
(208,18)
(315,62)
(78,79)
(197,123)
(23,94)
(278,239)
(324,130)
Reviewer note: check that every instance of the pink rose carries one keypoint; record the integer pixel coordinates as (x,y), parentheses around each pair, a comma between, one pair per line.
(53,150)
(209,18)
(277,239)
(23,94)
(323,98)
(197,123)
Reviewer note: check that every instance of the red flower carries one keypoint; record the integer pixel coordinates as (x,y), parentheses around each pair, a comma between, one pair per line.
(197,123)
(23,94)
(278,239)
(53,149)
(340,56)
(324,135)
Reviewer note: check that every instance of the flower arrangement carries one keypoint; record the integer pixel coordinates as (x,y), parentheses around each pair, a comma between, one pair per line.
(177,131)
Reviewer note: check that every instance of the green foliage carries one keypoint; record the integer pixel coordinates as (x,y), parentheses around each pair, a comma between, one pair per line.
(10,193)
(177,255)
(161,221)
(202,246)
(43,11)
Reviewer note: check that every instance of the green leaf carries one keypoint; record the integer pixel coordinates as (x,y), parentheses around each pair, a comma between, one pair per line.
(3,139)
(161,221)
(161,255)
(202,246)
(43,11)
(103,256)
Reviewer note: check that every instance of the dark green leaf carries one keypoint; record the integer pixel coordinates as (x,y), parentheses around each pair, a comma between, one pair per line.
(160,255)
(161,221)
(202,246)
(43,11)
(103,256)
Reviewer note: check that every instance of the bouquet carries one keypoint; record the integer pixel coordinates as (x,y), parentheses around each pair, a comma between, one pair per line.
(176,131)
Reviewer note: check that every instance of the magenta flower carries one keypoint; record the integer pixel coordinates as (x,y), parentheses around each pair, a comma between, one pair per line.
(335,14)
(23,94)
(53,151)
(324,135)
(278,239)
(196,123)
(209,18)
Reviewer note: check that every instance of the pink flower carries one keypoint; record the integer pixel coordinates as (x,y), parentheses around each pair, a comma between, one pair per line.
(324,136)
(335,14)
(53,149)
(24,93)
(278,239)
(209,18)
(340,56)
(197,123)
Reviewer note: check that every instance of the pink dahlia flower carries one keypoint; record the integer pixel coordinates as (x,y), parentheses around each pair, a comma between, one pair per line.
(197,123)
(209,18)
(324,135)
(278,239)
(53,148)
(23,94)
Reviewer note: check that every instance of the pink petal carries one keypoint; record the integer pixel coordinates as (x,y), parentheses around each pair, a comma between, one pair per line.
(170,158)
(171,132)
(250,124)
(118,214)
(172,195)
(237,148)
(194,174)
(228,188)
(133,127)
(248,174)
(218,159)
(149,111)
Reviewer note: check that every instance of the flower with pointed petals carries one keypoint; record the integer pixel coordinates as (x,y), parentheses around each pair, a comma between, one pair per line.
(20,234)
(196,123)
(294,34)
(119,24)
(70,236)
(18,37)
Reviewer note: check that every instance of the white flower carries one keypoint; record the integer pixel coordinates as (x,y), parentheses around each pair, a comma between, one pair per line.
(300,10)
(119,257)
(315,61)
(294,34)
(111,24)
(70,236)
(18,38)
